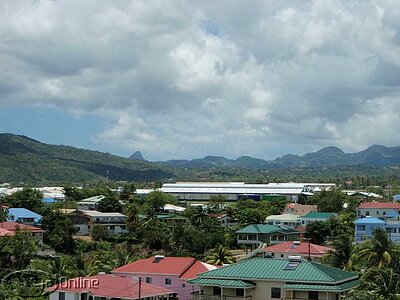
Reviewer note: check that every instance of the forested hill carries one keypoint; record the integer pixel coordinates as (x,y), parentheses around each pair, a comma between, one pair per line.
(26,160)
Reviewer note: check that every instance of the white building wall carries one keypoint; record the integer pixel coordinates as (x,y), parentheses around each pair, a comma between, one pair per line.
(68,296)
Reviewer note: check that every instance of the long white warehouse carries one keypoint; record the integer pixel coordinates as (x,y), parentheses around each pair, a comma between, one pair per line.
(233,191)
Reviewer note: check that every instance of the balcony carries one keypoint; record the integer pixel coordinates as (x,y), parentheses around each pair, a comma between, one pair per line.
(216,297)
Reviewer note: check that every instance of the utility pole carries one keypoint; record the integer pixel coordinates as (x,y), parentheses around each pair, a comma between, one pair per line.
(140,288)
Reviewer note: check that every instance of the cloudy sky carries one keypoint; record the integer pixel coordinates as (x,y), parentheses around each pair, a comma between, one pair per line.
(185,79)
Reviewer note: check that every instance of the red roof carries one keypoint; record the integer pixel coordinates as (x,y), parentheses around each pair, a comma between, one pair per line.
(4,232)
(111,286)
(197,268)
(377,205)
(12,226)
(294,248)
(185,267)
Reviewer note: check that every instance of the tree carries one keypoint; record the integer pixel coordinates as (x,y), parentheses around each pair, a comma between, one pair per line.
(59,231)
(16,251)
(28,198)
(156,235)
(109,204)
(382,281)
(127,191)
(378,252)
(155,202)
(220,256)
(132,217)
(99,232)
(277,205)
(318,231)
(343,250)
(329,201)
(217,202)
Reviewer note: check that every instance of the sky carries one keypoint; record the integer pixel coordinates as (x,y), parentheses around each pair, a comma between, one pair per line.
(185,79)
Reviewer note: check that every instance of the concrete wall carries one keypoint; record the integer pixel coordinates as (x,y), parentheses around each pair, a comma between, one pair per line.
(178,285)
(68,296)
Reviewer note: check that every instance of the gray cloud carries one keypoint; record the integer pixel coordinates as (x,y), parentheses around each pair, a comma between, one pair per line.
(182,79)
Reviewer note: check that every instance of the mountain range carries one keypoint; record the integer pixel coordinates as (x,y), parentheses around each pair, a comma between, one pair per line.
(326,157)
(23,159)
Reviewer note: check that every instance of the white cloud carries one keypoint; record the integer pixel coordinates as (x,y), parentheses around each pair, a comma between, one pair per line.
(181,79)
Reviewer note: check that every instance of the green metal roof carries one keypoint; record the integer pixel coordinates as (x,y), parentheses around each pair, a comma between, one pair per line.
(222,282)
(320,287)
(273,269)
(320,215)
(264,229)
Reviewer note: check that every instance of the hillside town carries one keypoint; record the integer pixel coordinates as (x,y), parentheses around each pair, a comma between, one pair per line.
(200,241)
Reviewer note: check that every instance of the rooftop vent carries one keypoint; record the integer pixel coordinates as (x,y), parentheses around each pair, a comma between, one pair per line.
(296,242)
(158,258)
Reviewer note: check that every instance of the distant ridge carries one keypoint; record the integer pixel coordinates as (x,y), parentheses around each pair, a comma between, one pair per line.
(23,159)
(326,157)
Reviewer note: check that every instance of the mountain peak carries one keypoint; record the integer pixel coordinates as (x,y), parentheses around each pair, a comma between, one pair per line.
(330,150)
(137,155)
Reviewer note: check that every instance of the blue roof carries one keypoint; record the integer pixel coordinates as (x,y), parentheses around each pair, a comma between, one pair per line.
(48,200)
(369,220)
(16,213)
(392,214)
(396,196)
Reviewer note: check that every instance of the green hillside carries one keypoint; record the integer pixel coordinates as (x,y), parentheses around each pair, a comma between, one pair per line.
(26,160)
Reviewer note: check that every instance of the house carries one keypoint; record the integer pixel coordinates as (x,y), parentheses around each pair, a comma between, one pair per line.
(256,234)
(364,227)
(296,248)
(299,209)
(167,272)
(225,220)
(24,216)
(376,209)
(316,216)
(114,221)
(90,203)
(273,279)
(105,287)
(169,219)
(287,220)
(9,228)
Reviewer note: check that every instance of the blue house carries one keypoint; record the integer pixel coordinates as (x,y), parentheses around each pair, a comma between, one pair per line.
(364,227)
(24,216)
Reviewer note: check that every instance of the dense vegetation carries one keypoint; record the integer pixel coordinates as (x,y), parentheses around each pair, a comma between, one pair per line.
(29,161)
(199,235)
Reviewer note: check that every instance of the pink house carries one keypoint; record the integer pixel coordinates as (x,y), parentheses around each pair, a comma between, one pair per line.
(167,272)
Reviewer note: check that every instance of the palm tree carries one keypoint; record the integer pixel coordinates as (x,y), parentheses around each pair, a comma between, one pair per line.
(343,250)
(384,282)
(199,217)
(220,256)
(379,251)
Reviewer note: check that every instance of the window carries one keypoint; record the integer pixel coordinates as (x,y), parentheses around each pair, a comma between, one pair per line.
(275,293)
(313,295)
(377,212)
(360,227)
(167,281)
(183,284)
(384,213)
(240,292)
(61,296)
(282,255)
(367,213)
(149,280)
(112,227)
(216,290)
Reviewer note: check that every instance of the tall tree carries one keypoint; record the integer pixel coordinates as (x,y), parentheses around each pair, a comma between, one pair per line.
(28,198)
(109,204)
